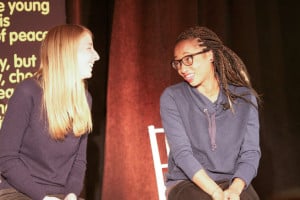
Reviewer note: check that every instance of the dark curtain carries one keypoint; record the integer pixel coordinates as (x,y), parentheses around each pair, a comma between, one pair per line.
(266,36)
(142,34)
(135,41)
(97,16)
(73,11)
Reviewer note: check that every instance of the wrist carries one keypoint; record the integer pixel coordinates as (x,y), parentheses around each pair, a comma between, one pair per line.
(237,186)
(216,192)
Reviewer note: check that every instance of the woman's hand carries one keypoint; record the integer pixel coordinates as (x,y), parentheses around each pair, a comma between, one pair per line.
(71,196)
(50,198)
(235,189)
(231,194)
(218,194)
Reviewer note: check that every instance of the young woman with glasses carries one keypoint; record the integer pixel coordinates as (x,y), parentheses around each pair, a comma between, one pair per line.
(211,122)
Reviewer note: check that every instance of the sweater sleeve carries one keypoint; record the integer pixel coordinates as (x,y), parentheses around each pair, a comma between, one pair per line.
(180,145)
(16,120)
(76,177)
(249,156)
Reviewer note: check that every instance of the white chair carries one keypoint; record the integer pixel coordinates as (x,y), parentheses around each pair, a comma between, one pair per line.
(158,165)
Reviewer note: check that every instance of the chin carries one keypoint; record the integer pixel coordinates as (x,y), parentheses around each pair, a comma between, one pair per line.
(86,77)
(191,83)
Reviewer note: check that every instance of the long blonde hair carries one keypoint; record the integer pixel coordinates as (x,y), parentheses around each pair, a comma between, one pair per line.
(65,102)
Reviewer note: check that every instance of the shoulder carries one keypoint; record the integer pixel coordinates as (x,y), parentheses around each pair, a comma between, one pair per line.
(26,94)
(28,87)
(29,83)
(175,93)
(245,92)
(175,89)
(237,89)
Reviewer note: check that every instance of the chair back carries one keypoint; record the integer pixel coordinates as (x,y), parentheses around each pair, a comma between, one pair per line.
(159,166)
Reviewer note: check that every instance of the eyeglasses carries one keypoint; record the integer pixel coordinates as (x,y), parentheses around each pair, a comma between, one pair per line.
(186,60)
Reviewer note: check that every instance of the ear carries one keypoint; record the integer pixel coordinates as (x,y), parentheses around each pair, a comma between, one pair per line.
(210,56)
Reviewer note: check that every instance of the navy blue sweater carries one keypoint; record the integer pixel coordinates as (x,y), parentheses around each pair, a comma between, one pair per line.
(207,135)
(32,162)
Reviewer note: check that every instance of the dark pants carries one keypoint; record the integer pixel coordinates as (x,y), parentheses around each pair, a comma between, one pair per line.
(12,194)
(188,190)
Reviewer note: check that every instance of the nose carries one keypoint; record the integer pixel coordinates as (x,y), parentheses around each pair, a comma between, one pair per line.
(183,68)
(96,55)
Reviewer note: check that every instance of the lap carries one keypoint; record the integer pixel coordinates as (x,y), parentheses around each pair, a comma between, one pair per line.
(12,194)
(188,190)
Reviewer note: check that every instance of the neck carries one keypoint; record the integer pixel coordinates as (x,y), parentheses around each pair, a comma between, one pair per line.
(210,90)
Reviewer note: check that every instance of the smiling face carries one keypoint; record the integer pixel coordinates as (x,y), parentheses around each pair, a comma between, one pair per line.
(201,71)
(86,56)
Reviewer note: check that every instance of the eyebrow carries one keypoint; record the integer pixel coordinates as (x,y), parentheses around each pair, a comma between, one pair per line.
(185,54)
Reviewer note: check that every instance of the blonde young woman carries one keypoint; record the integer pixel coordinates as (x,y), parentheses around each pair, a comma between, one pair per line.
(44,133)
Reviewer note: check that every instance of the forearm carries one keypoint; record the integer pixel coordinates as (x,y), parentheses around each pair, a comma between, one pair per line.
(237,186)
(23,182)
(75,183)
(235,189)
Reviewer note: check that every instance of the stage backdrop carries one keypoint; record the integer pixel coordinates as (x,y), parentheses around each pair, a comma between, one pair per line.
(143,34)
(23,24)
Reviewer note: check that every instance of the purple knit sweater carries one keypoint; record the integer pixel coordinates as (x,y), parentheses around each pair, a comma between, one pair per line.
(32,162)
(206,135)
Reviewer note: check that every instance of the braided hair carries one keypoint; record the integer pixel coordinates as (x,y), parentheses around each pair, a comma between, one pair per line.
(228,66)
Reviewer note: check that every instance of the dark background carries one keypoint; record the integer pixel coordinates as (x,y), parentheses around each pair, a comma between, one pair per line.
(97,16)
(135,40)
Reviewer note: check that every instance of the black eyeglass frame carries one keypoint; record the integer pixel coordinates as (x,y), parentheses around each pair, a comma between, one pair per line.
(181,61)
